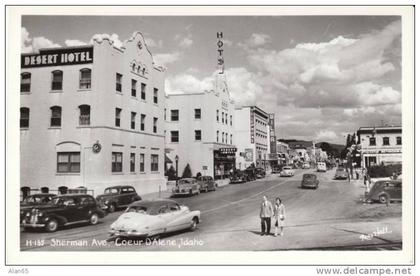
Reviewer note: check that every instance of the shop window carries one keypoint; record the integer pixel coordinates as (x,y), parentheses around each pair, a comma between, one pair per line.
(117,162)
(155,121)
(155,95)
(133,88)
(55,116)
(68,162)
(141,162)
(154,163)
(399,141)
(385,141)
(84,118)
(143,91)
(142,122)
(25,82)
(24,117)
(133,120)
(174,136)
(118,117)
(57,80)
(197,113)
(132,162)
(85,78)
(174,115)
(217,136)
(198,135)
(118,82)
(372,141)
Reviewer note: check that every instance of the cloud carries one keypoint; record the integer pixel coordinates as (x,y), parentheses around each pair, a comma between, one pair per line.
(326,135)
(74,42)
(164,59)
(29,44)
(186,83)
(150,42)
(114,38)
(186,42)
(256,40)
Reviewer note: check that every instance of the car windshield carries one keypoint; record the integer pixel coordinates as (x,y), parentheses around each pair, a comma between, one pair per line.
(340,169)
(111,191)
(309,176)
(138,209)
(34,199)
(185,181)
(286,168)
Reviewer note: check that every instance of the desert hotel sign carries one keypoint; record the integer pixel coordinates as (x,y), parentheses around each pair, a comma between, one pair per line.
(58,57)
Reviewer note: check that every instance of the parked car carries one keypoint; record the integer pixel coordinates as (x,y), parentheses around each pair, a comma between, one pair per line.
(186,186)
(287,171)
(384,190)
(251,174)
(321,167)
(259,173)
(206,183)
(238,177)
(64,210)
(276,170)
(116,197)
(341,173)
(150,218)
(33,201)
(306,165)
(309,180)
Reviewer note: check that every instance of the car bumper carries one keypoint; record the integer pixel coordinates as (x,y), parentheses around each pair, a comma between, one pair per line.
(312,186)
(32,225)
(182,193)
(117,233)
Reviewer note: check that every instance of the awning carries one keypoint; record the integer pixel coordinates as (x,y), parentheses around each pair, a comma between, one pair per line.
(168,160)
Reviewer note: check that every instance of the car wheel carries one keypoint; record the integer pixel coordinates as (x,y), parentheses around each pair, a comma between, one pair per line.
(383,199)
(52,225)
(112,208)
(194,224)
(94,219)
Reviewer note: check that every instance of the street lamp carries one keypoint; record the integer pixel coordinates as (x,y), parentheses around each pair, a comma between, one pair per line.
(176,168)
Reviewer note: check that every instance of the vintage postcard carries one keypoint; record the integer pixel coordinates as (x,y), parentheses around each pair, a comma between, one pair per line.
(235,135)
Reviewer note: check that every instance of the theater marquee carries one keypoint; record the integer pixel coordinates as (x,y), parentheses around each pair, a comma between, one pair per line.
(58,57)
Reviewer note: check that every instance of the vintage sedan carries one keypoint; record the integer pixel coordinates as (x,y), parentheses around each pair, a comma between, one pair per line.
(186,186)
(33,201)
(117,197)
(150,218)
(287,171)
(309,180)
(238,177)
(385,191)
(341,173)
(206,183)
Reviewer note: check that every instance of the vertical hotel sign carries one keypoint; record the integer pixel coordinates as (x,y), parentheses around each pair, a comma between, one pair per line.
(251,112)
(220,59)
(58,57)
(273,144)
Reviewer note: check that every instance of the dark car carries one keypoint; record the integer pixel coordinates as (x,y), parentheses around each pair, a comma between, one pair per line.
(116,197)
(341,173)
(63,210)
(385,190)
(206,183)
(35,200)
(238,177)
(309,180)
(251,174)
(259,173)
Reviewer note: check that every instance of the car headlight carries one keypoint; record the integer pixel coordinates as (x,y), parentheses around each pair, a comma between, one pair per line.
(40,214)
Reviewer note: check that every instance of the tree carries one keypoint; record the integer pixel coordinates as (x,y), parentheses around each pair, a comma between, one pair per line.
(171,173)
(187,172)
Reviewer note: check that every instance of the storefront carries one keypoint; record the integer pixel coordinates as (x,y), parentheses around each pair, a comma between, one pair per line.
(224,162)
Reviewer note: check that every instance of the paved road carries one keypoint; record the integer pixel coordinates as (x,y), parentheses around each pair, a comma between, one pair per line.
(330,216)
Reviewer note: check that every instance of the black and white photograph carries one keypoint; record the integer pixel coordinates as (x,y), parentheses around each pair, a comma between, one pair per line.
(249,132)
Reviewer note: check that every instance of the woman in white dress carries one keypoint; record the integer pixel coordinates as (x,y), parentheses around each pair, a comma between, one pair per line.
(279,216)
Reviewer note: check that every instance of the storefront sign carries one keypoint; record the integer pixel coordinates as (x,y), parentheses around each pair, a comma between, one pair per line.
(249,155)
(252,124)
(220,59)
(57,57)
(227,150)
(273,144)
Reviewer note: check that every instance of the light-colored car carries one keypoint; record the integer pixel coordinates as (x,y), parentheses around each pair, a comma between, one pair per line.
(321,167)
(206,183)
(186,186)
(287,171)
(306,165)
(149,218)
(341,173)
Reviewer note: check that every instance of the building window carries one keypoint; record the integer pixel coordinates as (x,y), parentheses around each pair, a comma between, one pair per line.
(217,136)
(133,88)
(132,162)
(142,122)
(372,141)
(57,80)
(143,91)
(133,120)
(118,82)
(198,135)
(141,162)
(24,117)
(174,136)
(155,95)
(174,115)
(231,139)
(117,161)
(164,114)
(55,116)
(68,162)
(197,113)
(223,137)
(25,82)
(85,78)
(117,117)
(230,120)
(399,142)
(223,117)
(385,141)
(155,120)
(154,163)
(84,118)
(217,115)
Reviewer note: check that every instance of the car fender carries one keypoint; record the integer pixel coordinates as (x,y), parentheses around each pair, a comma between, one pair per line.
(381,194)
(61,219)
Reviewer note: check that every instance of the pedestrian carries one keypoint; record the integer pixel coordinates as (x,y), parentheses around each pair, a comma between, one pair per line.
(266,212)
(279,216)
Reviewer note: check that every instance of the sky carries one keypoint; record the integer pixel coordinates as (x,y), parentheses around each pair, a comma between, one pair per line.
(322,76)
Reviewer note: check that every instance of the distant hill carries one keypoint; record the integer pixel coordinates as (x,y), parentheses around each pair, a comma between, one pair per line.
(333,149)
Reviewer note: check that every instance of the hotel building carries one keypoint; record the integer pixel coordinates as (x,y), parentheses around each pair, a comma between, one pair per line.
(92,117)
(200,131)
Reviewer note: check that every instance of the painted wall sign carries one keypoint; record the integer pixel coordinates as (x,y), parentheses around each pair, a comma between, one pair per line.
(273,144)
(252,124)
(58,57)
(220,59)
(249,155)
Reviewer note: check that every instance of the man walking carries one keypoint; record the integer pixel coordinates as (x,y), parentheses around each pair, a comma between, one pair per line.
(266,213)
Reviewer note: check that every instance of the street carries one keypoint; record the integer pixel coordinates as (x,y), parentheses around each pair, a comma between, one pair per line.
(332,216)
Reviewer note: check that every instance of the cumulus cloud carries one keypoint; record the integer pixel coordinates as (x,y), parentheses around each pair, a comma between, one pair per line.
(164,59)
(150,42)
(74,42)
(326,135)
(29,44)
(114,38)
